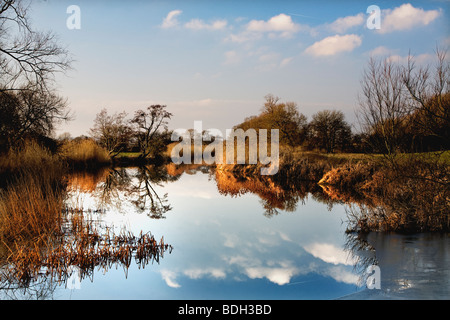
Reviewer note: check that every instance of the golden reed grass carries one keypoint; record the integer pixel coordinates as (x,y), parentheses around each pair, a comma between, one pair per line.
(41,236)
(84,153)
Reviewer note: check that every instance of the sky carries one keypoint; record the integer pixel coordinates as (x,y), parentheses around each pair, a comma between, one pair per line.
(215,61)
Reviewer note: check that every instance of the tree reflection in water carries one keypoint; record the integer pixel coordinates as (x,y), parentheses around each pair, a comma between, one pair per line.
(87,245)
(135,185)
(84,243)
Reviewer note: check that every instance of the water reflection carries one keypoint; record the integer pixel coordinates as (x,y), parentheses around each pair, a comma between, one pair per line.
(226,247)
(84,245)
(411,266)
(310,246)
(111,187)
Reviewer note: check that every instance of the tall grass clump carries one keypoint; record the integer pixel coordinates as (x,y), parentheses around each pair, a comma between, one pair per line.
(30,209)
(84,153)
(30,156)
(32,194)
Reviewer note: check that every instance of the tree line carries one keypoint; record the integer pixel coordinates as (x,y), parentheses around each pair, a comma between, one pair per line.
(327,130)
(402,107)
(146,132)
(406,107)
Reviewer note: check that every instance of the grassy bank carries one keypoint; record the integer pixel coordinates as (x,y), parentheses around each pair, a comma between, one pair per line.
(408,194)
(40,236)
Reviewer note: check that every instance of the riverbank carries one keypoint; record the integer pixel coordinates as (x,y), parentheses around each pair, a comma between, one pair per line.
(410,195)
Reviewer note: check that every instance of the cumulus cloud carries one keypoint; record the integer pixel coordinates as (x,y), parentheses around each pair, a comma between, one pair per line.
(169,277)
(171,19)
(339,274)
(197,24)
(329,253)
(334,44)
(341,25)
(421,59)
(199,273)
(284,63)
(279,276)
(406,17)
(380,51)
(278,26)
(281,24)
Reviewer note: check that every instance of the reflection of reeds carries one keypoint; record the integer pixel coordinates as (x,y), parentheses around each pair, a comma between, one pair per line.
(41,237)
(84,246)
(361,253)
(410,197)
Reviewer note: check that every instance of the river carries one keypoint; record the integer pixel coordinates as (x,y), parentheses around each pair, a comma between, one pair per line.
(234,239)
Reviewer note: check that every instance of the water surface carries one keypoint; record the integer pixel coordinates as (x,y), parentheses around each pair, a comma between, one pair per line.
(236,239)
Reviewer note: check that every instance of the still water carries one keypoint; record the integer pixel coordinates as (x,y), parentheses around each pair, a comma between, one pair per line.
(234,239)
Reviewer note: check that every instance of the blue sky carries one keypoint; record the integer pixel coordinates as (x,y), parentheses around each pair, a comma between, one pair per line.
(215,61)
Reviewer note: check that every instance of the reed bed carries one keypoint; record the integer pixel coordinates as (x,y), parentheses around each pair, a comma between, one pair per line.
(84,153)
(30,208)
(41,236)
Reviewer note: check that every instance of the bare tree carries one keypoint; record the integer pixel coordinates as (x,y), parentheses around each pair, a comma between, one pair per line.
(401,104)
(383,104)
(28,61)
(111,131)
(29,113)
(429,96)
(148,124)
(28,58)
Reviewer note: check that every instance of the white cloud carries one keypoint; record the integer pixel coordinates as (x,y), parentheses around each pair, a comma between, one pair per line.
(380,51)
(334,44)
(231,57)
(285,61)
(392,56)
(276,27)
(197,24)
(171,19)
(341,25)
(279,276)
(281,24)
(406,17)
(200,273)
(244,36)
(420,59)
(169,278)
(329,253)
(339,274)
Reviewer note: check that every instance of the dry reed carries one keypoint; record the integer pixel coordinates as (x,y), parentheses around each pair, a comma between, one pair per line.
(84,246)
(84,153)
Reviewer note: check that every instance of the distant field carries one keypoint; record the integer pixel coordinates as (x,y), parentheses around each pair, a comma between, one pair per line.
(128,155)
(337,158)
(443,156)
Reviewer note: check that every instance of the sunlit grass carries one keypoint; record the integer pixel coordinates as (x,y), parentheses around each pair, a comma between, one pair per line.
(84,153)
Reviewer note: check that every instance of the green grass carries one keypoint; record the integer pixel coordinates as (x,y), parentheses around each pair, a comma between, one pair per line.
(128,155)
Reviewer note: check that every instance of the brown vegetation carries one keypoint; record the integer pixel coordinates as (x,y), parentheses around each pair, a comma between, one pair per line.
(84,153)
(81,245)
(413,198)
